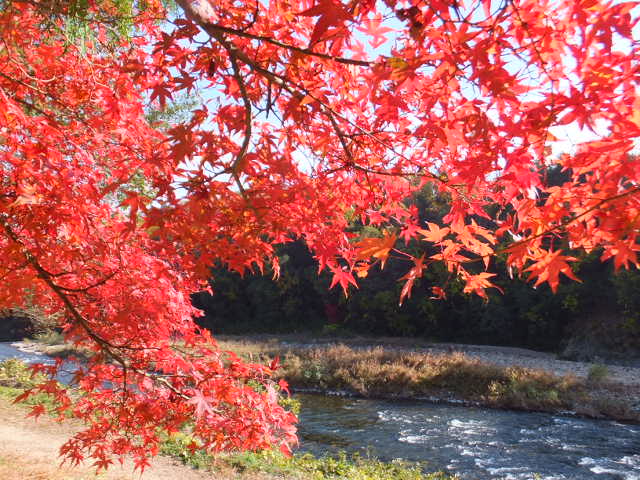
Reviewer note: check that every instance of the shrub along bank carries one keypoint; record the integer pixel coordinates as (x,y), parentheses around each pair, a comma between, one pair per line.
(303,467)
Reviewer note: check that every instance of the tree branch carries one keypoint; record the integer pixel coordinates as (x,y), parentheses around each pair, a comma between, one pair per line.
(237,74)
(304,51)
(200,12)
(44,275)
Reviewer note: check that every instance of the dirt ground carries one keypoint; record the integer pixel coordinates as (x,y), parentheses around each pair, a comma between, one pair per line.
(29,451)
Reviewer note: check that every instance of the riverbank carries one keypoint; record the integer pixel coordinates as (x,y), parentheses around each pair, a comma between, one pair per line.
(29,450)
(499,377)
(391,368)
(496,355)
(475,443)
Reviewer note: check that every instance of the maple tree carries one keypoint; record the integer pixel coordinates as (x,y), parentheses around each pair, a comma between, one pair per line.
(313,114)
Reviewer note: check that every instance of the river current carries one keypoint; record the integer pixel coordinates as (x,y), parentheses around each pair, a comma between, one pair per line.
(475,443)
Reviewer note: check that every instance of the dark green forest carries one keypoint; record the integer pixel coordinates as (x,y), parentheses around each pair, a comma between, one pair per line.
(594,318)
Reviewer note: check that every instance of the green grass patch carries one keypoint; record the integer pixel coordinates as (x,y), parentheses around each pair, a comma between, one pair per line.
(598,373)
(16,374)
(340,467)
(16,377)
(300,466)
(178,446)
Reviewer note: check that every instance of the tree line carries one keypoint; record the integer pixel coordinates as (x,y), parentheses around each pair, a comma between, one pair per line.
(598,315)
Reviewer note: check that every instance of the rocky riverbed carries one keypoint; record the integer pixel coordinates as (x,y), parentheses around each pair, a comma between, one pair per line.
(510,356)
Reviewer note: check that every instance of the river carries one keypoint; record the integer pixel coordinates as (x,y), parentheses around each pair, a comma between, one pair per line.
(475,443)
(9,351)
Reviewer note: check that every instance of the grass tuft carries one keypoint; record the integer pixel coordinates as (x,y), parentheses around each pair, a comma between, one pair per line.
(597,373)
(304,466)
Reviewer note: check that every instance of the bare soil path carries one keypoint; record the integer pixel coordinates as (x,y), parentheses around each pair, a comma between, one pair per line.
(29,451)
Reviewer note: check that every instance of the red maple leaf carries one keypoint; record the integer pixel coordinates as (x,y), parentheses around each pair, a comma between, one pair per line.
(548,268)
(332,14)
(344,278)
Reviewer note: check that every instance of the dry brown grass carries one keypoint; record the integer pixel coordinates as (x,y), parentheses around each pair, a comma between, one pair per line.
(392,372)
(396,371)
(377,371)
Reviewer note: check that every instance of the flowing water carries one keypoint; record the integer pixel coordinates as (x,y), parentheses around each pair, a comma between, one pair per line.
(9,351)
(475,443)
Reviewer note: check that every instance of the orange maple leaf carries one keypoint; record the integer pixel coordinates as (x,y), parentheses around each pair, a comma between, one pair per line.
(479,283)
(376,247)
(27,195)
(434,233)
(623,254)
(410,277)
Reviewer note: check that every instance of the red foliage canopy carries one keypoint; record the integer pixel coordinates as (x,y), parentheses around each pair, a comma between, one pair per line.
(313,113)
